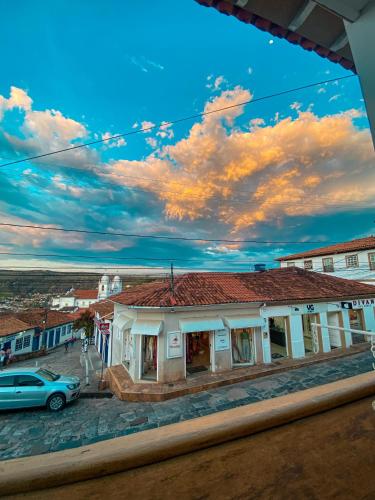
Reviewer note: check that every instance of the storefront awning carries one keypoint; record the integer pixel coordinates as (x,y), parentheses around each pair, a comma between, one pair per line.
(146,327)
(243,321)
(201,325)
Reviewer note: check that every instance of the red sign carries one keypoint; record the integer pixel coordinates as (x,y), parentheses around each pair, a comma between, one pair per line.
(104,328)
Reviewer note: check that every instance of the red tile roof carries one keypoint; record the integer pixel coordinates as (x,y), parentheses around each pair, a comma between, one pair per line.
(287,285)
(248,17)
(104,308)
(367,243)
(85,294)
(9,325)
(36,317)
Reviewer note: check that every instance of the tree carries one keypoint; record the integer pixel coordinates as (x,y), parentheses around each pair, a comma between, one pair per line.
(85,321)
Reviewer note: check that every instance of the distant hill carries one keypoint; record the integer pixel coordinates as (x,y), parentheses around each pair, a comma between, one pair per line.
(26,283)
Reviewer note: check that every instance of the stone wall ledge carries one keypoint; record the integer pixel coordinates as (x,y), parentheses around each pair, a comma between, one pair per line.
(32,474)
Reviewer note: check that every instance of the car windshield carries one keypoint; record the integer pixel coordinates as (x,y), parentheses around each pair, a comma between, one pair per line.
(48,375)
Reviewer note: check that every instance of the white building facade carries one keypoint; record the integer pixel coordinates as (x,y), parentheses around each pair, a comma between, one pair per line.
(353,260)
(81,299)
(166,344)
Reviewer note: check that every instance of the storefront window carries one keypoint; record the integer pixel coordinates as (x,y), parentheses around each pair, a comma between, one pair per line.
(243,346)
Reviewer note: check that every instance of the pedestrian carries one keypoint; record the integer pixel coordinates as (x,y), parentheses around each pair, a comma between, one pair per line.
(66,345)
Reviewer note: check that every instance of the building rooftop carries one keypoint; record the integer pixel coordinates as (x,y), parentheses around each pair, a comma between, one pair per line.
(9,325)
(84,294)
(307,24)
(286,285)
(104,308)
(367,243)
(37,317)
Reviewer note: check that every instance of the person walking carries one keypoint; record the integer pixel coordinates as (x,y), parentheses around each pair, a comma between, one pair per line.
(66,345)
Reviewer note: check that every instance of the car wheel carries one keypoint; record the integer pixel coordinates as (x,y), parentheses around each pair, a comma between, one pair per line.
(56,402)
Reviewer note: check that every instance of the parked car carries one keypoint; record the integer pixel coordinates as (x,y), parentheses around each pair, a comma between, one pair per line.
(24,388)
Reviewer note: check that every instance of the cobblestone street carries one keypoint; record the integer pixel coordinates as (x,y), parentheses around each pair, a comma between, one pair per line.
(30,432)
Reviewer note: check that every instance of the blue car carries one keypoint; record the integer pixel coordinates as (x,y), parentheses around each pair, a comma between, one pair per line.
(28,387)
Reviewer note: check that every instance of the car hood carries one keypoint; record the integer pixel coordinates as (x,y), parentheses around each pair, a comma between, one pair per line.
(65,379)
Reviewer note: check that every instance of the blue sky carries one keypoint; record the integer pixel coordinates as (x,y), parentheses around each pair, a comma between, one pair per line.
(291,168)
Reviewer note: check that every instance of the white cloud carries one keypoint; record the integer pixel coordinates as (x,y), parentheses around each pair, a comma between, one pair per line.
(250,70)
(334,97)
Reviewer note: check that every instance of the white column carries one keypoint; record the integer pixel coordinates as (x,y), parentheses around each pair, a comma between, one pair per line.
(361,35)
(346,324)
(296,336)
(323,320)
(266,343)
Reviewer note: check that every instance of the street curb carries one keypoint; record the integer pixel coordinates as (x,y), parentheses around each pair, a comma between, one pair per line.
(152,446)
(96,394)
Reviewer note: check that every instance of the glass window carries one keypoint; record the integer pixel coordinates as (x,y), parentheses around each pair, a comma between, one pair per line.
(308,264)
(290,264)
(26,341)
(63,330)
(19,344)
(7,381)
(328,264)
(28,381)
(242,346)
(68,329)
(371,259)
(351,261)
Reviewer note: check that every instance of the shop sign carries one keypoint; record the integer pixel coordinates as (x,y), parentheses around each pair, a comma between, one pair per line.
(363,303)
(174,345)
(104,328)
(221,340)
(309,308)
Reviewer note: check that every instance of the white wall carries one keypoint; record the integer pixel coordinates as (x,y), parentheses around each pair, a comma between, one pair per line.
(361,273)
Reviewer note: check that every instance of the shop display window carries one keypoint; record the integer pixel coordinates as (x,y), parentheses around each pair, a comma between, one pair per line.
(243,346)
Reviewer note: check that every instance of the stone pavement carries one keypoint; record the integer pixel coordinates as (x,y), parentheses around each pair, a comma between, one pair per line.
(72,362)
(31,432)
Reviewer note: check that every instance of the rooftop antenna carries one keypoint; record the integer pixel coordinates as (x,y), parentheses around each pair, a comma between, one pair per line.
(172,279)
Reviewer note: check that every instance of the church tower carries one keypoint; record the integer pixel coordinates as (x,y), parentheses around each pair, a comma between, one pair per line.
(104,287)
(116,286)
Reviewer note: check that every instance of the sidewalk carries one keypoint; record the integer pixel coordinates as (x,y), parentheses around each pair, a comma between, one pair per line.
(87,367)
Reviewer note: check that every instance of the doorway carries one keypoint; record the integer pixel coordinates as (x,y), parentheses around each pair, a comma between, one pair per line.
(149,357)
(335,336)
(356,321)
(308,340)
(278,337)
(198,356)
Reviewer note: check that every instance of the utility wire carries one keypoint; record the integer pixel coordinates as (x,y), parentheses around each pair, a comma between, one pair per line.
(163,237)
(180,120)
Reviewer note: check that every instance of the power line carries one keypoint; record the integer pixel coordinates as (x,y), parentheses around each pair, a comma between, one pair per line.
(163,237)
(180,120)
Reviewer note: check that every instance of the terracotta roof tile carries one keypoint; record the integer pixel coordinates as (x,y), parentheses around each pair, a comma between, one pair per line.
(85,294)
(36,317)
(367,243)
(10,324)
(103,307)
(276,285)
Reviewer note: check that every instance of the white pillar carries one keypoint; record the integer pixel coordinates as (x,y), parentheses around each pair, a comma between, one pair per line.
(296,336)
(346,324)
(323,320)
(369,317)
(361,35)
(266,342)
